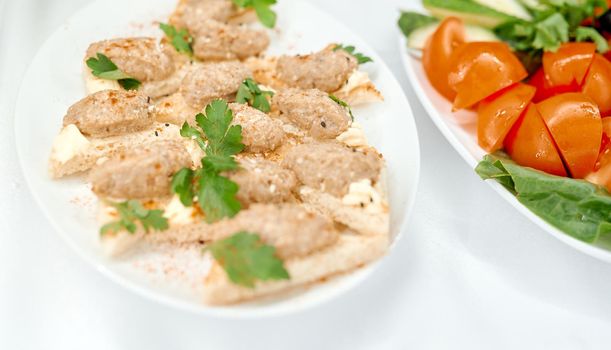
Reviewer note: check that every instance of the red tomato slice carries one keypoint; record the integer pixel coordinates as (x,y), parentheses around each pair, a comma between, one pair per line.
(598,84)
(436,54)
(530,144)
(574,121)
(569,64)
(602,173)
(479,69)
(498,113)
(545,91)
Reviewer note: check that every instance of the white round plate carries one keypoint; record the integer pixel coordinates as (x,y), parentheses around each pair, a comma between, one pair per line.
(53,82)
(460,129)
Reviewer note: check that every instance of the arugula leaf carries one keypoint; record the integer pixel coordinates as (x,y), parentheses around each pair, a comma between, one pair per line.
(360,58)
(180,39)
(246,259)
(216,194)
(262,8)
(131,212)
(577,207)
(410,21)
(342,103)
(588,33)
(250,92)
(103,68)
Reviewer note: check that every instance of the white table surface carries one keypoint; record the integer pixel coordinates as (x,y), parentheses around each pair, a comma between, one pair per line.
(470,274)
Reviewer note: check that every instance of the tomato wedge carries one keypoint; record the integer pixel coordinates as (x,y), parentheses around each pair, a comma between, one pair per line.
(437,51)
(569,64)
(497,114)
(479,69)
(574,121)
(530,144)
(602,173)
(545,90)
(598,84)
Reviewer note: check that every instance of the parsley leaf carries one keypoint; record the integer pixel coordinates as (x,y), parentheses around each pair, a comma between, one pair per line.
(180,39)
(246,259)
(250,92)
(360,58)
(216,194)
(103,68)
(342,103)
(131,212)
(262,8)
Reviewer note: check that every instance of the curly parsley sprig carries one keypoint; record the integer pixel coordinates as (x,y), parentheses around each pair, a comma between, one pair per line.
(263,9)
(103,68)
(250,92)
(130,214)
(246,259)
(216,194)
(360,58)
(180,39)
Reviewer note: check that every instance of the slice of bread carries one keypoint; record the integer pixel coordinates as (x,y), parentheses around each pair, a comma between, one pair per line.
(349,253)
(98,149)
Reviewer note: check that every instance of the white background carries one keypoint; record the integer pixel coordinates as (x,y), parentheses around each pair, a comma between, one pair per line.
(471,273)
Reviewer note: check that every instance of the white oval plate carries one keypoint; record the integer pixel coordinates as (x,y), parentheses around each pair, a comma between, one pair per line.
(460,130)
(53,82)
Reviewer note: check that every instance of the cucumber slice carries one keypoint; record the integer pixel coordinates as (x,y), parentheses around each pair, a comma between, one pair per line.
(418,37)
(510,7)
(468,10)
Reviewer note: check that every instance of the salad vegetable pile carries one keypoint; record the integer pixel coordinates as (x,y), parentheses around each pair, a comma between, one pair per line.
(538,75)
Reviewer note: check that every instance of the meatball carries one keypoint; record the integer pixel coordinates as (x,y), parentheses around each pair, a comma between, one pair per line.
(142,172)
(141,58)
(313,111)
(110,113)
(214,40)
(260,132)
(263,181)
(291,229)
(332,166)
(210,81)
(326,70)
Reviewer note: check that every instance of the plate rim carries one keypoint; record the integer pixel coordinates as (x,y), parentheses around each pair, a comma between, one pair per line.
(201,309)
(438,119)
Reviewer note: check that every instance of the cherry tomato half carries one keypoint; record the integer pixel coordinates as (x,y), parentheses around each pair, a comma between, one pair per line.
(569,64)
(497,114)
(436,54)
(574,121)
(545,91)
(530,144)
(598,84)
(602,173)
(479,69)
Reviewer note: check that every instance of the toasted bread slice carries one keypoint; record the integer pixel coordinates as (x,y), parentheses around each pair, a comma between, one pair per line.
(347,254)
(72,152)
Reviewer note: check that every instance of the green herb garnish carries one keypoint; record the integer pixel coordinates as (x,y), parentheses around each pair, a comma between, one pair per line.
(246,259)
(263,9)
(216,194)
(577,207)
(180,39)
(250,92)
(342,103)
(103,68)
(130,213)
(360,58)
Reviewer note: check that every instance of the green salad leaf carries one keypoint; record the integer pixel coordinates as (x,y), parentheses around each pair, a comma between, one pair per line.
(577,207)
(250,92)
(360,58)
(220,141)
(246,259)
(130,214)
(410,21)
(103,68)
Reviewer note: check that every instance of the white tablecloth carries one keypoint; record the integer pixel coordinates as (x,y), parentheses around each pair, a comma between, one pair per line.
(471,272)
